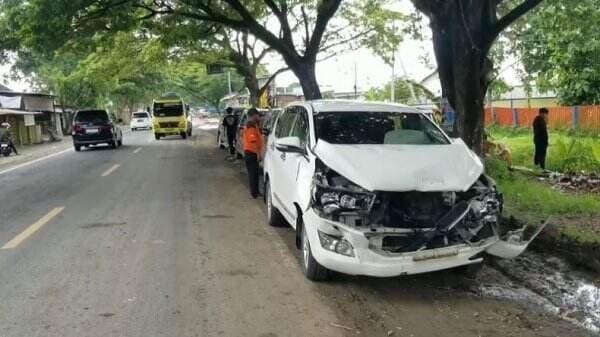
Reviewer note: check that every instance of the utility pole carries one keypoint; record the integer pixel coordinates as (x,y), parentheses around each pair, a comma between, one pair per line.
(229,81)
(410,86)
(393,86)
(355,82)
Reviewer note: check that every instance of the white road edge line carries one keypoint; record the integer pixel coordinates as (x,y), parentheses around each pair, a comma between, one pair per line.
(32,229)
(34,161)
(111,170)
(137,150)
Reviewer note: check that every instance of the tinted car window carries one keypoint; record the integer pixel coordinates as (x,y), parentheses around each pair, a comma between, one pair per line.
(140,115)
(361,127)
(92,116)
(284,123)
(300,128)
(168,109)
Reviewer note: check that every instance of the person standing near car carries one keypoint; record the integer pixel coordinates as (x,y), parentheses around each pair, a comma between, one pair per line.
(540,138)
(230,122)
(253,145)
(6,137)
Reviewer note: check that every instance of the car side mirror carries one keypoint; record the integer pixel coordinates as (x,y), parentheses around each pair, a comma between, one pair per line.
(289,144)
(265,131)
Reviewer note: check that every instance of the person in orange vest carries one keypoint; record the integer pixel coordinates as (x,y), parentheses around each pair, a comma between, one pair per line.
(253,145)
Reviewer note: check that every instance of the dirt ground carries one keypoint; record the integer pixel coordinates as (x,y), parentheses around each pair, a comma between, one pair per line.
(447,303)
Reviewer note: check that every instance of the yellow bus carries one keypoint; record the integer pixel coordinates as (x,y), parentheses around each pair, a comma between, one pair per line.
(170,117)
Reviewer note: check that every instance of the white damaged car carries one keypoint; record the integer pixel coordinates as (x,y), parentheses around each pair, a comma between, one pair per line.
(380,190)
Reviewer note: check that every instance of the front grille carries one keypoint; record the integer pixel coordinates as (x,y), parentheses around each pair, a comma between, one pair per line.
(169,124)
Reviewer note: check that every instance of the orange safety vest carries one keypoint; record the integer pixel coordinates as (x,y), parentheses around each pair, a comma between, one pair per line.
(253,141)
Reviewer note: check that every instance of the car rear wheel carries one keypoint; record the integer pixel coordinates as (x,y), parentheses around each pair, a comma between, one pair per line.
(156,136)
(120,142)
(133,129)
(113,144)
(312,269)
(274,218)
(184,135)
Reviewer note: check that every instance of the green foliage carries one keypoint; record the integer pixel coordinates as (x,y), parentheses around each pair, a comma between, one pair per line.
(402,92)
(526,194)
(575,155)
(570,150)
(559,44)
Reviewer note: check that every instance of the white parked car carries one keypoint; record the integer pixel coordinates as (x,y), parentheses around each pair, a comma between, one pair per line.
(380,190)
(140,120)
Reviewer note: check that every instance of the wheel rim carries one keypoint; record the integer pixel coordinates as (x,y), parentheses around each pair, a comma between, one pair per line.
(305,248)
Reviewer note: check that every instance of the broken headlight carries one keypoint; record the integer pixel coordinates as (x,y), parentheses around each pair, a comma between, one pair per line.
(335,244)
(343,196)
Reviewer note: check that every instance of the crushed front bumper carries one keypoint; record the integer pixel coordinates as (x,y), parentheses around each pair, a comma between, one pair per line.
(370,260)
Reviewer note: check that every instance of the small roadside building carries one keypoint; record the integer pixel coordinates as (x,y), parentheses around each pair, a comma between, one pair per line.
(32,116)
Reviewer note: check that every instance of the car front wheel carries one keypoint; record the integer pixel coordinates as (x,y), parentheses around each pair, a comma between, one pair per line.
(312,269)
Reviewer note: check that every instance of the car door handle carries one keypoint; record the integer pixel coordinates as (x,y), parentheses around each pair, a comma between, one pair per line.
(282,156)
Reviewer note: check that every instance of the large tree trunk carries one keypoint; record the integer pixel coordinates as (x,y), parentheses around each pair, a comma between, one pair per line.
(464,69)
(253,88)
(305,71)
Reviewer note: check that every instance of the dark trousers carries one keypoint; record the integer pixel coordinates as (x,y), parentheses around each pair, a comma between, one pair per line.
(251,160)
(540,155)
(230,142)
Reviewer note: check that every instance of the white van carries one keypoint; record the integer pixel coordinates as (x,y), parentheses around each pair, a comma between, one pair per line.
(380,190)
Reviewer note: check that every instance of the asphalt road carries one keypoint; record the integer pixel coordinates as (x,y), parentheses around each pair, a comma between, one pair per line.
(161,238)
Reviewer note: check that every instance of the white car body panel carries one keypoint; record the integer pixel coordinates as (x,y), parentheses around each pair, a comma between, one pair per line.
(397,168)
(382,168)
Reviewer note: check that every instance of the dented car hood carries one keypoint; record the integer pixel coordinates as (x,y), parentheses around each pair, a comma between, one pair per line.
(397,168)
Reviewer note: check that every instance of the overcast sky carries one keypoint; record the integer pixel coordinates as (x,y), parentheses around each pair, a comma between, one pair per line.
(338,73)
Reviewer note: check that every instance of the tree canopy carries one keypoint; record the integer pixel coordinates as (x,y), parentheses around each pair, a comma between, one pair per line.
(559,44)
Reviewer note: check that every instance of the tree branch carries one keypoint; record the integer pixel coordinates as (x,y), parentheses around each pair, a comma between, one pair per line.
(270,79)
(511,17)
(325,10)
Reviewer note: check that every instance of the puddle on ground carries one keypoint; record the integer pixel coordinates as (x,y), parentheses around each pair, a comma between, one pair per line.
(547,282)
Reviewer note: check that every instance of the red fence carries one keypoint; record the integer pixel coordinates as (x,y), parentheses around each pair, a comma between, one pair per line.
(586,117)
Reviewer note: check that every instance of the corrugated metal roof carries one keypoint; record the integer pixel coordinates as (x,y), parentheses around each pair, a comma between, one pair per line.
(18,112)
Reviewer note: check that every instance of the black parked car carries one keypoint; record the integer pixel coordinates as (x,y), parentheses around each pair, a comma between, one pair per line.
(93,127)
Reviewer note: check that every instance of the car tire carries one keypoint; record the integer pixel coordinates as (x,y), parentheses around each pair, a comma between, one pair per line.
(113,144)
(133,129)
(77,147)
(274,218)
(184,135)
(120,142)
(311,268)
(156,136)
(6,154)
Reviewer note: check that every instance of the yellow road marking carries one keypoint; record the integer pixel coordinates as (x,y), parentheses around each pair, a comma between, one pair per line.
(32,229)
(111,170)
(137,150)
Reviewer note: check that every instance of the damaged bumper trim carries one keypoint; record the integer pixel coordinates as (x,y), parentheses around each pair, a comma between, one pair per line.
(377,263)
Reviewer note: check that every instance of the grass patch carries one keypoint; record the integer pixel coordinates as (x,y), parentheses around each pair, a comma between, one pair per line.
(577,216)
(569,151)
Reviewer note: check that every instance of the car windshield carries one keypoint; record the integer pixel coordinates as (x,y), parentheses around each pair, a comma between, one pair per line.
(92,116)
(374,127)
(140,115)
(168,109)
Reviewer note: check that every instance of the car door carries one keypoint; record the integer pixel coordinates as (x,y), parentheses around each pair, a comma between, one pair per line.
(276,162)
(291,162)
